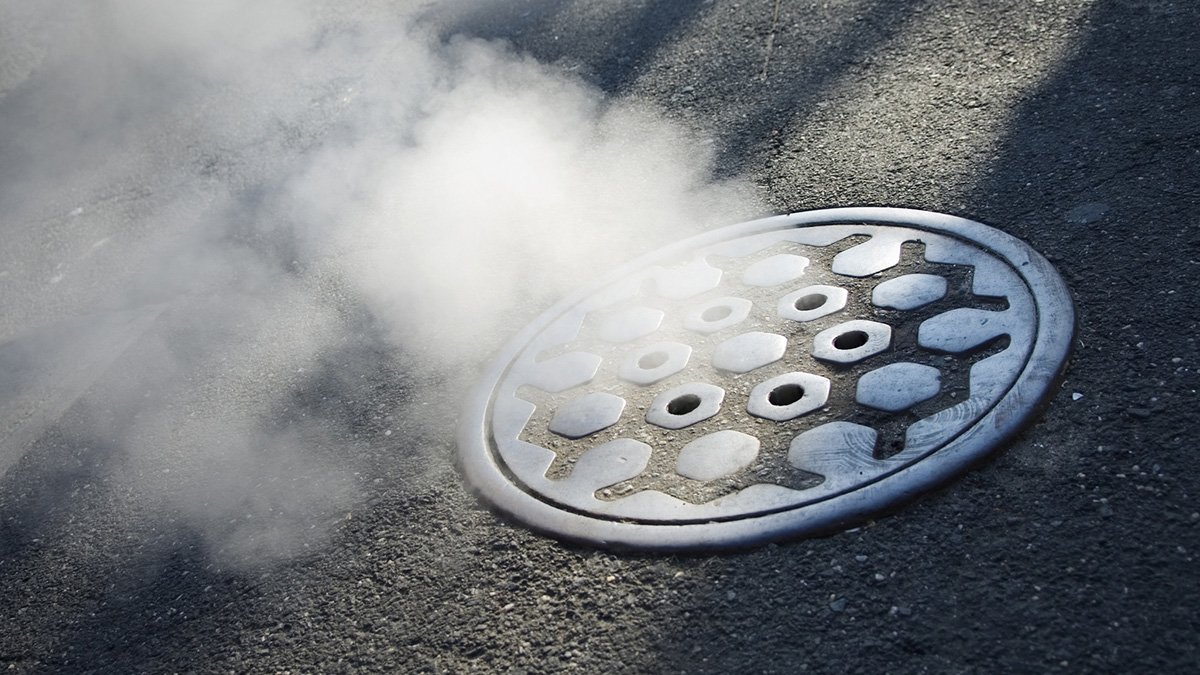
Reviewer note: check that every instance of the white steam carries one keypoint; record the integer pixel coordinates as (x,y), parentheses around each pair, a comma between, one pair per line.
(248,175)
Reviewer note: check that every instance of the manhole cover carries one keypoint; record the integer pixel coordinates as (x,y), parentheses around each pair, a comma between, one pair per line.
(779,377)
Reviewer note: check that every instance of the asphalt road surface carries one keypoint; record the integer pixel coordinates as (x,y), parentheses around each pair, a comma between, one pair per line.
(1072,125)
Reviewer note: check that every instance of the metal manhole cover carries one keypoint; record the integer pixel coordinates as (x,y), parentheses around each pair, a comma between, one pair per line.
(784,376)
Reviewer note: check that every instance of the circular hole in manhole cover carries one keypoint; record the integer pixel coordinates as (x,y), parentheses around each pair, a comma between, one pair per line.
(916,343)
(810,301)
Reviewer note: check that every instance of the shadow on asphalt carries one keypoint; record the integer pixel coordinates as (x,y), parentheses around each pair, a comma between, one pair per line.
(788,97)
(623,44)
(41,498)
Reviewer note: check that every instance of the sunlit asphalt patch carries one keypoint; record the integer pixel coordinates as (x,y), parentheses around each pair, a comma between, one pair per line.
(781,377)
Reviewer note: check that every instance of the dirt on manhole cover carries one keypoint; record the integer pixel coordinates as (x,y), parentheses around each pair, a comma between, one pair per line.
(780,377)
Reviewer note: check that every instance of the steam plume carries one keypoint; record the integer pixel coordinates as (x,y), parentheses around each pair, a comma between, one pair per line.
(198,198)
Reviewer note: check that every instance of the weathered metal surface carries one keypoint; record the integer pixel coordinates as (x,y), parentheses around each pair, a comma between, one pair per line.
(775,378)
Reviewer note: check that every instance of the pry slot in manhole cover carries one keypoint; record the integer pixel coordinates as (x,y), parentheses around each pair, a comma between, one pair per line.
(781,377)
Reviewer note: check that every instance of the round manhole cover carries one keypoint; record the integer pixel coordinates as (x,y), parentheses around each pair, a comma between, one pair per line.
(779,377)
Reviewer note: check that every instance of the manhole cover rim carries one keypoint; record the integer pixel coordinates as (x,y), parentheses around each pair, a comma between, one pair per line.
(1033,386)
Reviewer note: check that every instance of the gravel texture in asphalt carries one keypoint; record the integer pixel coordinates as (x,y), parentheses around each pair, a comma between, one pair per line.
(1072,125)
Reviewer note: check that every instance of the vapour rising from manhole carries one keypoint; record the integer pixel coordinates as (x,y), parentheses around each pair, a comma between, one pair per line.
(771,379)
